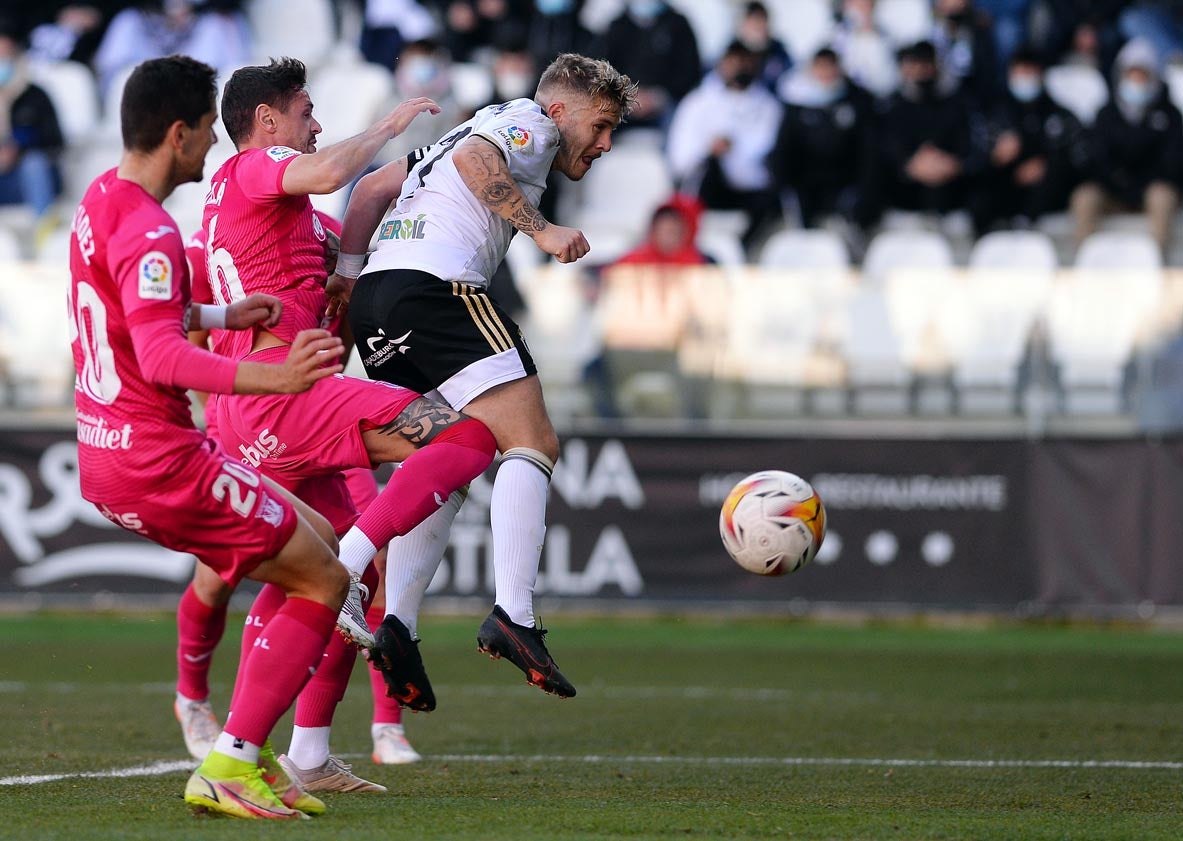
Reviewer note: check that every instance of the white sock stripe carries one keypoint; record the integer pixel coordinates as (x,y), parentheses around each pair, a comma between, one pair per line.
(534,457)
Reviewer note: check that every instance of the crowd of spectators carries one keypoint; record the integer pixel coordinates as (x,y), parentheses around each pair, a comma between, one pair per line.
(958,119)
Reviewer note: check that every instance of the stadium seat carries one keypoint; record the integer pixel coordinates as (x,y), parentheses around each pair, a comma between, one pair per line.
(803,25)
(623,189)
(770,338)
(75,94)
(1173,76)
(563,333)
(713,22)
(891,250)
(875,371)
(795,248)
(348,97)
(108,127)
(1080,89)
(472,84)
(1093,322)
(304,29)
(904,21)
(986,324)
(723,247)
(10,245)
(1023,250)
(36,362)
(1118,251)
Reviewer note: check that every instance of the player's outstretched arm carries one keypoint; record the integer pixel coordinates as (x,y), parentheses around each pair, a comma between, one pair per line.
(307,363)
(333,167)
(486,174)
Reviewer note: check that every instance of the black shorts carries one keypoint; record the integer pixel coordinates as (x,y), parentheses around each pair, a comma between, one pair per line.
(426,334)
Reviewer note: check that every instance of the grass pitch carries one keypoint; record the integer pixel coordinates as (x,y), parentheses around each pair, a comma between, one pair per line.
(682,729)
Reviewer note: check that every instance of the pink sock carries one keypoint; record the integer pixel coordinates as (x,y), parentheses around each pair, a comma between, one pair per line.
(319,698)
(199,629)
(285,651)
(265,606)
(386,710)
(422,484)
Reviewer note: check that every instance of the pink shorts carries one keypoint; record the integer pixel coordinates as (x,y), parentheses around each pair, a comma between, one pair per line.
(291,437)
(224,514)
(330,496)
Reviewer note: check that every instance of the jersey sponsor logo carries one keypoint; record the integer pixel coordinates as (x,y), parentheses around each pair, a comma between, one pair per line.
(318,229)
(161,231)
(514,138)
(97,433)
(156,276)
(404,228)
(264,446)
(378,355)
(281,153)
(129,520)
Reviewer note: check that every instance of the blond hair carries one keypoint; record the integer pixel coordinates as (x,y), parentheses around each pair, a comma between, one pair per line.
(591,77)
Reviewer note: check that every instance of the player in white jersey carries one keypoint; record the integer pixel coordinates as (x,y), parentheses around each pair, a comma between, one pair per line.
(422,320)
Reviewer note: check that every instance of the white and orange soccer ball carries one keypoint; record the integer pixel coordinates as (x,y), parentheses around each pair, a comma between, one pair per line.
(772,523)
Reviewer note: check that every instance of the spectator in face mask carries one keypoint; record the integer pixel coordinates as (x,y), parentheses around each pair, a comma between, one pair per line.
(1135,149)
(772,58)
(424,68)
(966,54)
(866,52)
(1037,152)
(30,137)
(923,151)
(555,29)
(822,141)
(655,45)
(720,137)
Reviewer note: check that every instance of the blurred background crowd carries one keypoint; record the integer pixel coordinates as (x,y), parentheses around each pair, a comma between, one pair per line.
(804,135)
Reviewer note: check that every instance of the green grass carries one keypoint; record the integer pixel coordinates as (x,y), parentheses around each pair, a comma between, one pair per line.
(637,754)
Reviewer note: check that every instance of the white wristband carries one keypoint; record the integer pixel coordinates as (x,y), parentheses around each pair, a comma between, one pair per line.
(350,265)
(212,317)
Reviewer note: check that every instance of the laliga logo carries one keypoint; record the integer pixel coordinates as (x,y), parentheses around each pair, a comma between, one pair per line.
(155,269)
(518,136)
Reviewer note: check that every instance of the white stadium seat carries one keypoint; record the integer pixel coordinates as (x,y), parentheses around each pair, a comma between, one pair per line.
(303,29)
(803,25)
(472,84)
(1119,251)
(624,188)
(905,249)
(75,94)
(1023,250)
(347,97)
(794,248)
(904,21)
(875,367)
(1080,89)
(713,22)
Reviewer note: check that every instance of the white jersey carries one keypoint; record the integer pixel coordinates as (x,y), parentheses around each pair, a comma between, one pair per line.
(438,226)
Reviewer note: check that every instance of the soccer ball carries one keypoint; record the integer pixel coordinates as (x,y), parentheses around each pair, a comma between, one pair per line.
(772,523)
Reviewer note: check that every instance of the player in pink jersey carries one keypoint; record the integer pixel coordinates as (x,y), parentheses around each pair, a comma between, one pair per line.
(201,612)
(262,234)
(145,465)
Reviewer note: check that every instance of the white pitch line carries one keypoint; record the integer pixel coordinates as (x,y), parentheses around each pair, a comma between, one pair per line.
(155,769)
(159,768)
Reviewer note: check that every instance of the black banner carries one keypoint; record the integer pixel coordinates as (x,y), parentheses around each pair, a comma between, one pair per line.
(919,522)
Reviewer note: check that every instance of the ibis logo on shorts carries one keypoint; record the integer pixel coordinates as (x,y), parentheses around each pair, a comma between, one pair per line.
(404,228)
(263,447)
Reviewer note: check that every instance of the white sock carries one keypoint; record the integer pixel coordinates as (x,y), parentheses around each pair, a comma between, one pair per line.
(181,699)
(517,510)
(411,561)
(377,728)
(310,747)
(237,748)
(356,551)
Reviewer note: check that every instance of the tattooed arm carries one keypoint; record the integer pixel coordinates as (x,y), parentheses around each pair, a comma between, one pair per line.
(486,174)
